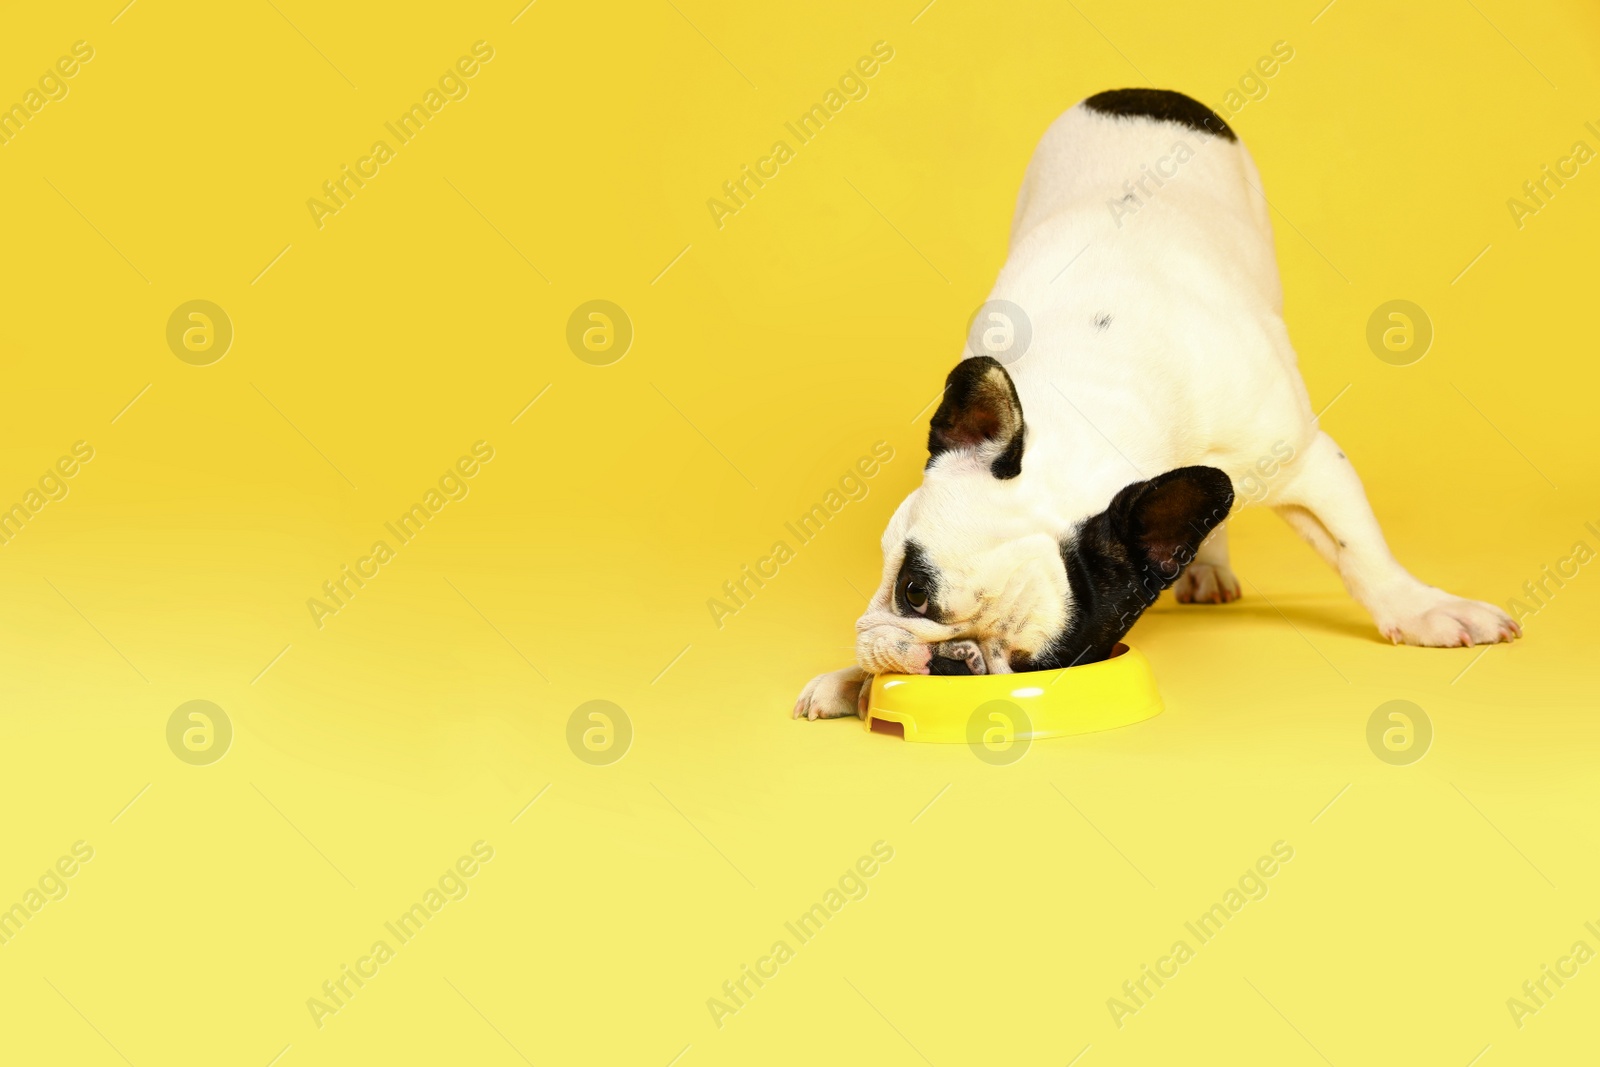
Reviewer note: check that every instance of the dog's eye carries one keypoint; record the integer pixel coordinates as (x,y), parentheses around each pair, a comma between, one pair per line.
(915,596)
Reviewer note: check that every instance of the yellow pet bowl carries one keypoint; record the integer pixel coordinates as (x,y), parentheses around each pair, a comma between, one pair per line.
(981,709)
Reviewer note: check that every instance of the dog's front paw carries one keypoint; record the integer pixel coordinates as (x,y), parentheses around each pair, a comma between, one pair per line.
(1445,621)
(1206,583)
(834,695)
(956,655)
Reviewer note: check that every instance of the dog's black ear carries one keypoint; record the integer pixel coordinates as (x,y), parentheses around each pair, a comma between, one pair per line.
(1162,521)
(980,407)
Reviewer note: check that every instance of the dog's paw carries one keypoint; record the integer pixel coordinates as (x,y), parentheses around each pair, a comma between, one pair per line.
(1206,583)
(1445,621)
(964,651)
(834,695)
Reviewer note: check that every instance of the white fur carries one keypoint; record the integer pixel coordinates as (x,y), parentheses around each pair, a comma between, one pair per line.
(1195,368)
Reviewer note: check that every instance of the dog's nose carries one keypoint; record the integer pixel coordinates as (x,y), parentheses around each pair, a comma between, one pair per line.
(946,665)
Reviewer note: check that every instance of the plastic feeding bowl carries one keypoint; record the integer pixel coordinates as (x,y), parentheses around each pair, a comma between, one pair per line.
(970,709)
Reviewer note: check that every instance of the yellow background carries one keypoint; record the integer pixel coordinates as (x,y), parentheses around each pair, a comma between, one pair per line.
(775,351)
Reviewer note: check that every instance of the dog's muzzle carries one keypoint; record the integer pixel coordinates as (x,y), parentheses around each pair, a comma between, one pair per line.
(885,648)
(888,649)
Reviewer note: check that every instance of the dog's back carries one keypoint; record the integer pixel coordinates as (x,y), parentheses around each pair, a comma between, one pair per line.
(1141,249)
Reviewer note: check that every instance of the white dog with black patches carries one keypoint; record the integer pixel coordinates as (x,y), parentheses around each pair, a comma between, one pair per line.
(1067,487)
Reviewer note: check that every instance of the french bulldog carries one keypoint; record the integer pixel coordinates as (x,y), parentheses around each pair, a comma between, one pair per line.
(1071,480)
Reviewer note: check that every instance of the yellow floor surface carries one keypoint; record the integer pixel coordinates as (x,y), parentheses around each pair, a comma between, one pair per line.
(396,829)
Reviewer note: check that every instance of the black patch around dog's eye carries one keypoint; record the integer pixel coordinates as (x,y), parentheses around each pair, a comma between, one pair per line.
(1163,105)
(916,589)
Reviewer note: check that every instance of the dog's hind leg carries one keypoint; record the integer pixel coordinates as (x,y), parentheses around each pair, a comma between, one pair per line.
(1324,502)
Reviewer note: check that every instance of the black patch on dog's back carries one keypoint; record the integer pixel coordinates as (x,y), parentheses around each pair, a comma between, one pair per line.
(1163,105)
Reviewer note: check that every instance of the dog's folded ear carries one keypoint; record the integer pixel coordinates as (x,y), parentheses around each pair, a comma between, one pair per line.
(980,410)
(1163,521)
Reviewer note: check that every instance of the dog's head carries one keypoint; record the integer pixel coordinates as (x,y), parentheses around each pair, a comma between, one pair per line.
(973,554)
